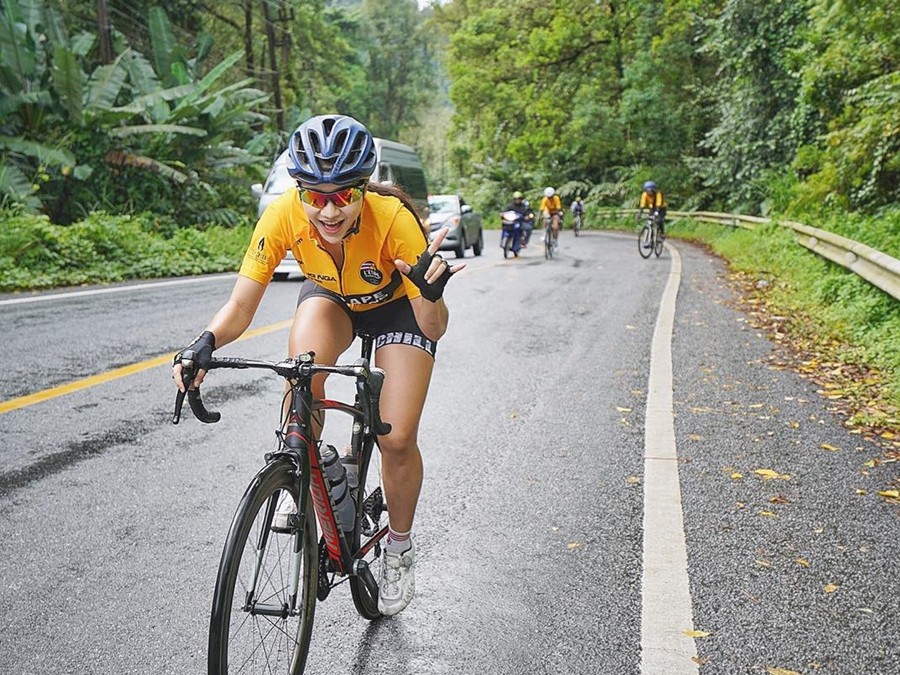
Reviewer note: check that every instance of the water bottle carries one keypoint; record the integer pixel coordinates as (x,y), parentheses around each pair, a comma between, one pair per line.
(351,465)
(344,509)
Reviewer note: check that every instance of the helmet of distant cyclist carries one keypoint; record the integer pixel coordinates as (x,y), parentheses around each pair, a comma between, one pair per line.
(649,186)
(549,192)
(517,195)
(332,149)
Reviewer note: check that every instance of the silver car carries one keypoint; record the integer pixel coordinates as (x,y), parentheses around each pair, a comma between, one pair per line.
(465,225)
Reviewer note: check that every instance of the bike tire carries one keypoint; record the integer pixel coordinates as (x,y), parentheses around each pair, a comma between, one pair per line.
(507,245)
(548,243)
(260,642)
(658,243)
(645,242)
(371,519)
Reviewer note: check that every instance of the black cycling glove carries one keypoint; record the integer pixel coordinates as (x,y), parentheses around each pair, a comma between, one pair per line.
(430,291)
(200,349)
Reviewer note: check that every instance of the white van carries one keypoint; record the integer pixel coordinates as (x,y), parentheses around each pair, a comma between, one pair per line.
(398,164)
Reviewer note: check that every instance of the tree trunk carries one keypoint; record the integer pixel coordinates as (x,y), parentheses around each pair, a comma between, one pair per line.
(106,55)
(273,66)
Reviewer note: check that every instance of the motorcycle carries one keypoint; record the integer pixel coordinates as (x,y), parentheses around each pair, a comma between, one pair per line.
(512,229)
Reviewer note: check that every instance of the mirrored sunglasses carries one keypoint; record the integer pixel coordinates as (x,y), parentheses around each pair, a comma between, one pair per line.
(339,198)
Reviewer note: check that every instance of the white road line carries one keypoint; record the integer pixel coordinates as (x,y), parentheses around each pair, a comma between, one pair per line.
(116,289)
(665,592)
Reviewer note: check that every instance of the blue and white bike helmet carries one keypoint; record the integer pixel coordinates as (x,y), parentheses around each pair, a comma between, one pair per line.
(334,149)
(649,186)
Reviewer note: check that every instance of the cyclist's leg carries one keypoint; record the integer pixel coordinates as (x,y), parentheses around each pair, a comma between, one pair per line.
(407,376)
(322,324)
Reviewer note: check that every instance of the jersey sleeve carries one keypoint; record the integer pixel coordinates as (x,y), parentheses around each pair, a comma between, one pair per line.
(406,241)
(269,243)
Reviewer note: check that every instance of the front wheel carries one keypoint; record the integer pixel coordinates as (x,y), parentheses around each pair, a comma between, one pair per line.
(478,246)
(507,244)
(460,250)
(257,624)
(576,225)
(548,243)
(645,242)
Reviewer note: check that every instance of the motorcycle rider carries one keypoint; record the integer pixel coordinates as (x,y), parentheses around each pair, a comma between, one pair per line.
(527,224)
(517,205)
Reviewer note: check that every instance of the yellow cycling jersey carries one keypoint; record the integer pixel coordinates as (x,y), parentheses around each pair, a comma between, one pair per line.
(552,205)
(368,277)
(657,200)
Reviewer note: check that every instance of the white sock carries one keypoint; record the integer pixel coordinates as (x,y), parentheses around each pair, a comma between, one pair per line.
(398,542)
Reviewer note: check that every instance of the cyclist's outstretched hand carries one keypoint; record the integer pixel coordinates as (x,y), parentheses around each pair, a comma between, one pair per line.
(200,353)
(431,272)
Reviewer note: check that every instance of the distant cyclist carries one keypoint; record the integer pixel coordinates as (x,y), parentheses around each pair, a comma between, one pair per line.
(528,225)
(653,199)
(551,208)
(577,208)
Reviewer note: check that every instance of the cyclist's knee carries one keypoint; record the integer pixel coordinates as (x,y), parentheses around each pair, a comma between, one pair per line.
(400,442)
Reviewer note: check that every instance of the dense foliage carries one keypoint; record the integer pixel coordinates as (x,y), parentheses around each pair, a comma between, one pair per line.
(191,103)
(34,253)
(776,107)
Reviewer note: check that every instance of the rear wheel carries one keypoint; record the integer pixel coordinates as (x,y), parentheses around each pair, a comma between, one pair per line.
(255,625)
(576,225)
(548,243)
(371,526)
(645,244)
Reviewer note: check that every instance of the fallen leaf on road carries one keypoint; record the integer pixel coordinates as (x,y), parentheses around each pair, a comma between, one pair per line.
(574,545)
(781,671)
(892,496)
(621,409)
(767,514)
(631,480)
(700,661)
(860,492)
(769,474)
(736,476)
(830,588)
(803,562)
(763,563)
(829,447)
(695,633)
(779,499)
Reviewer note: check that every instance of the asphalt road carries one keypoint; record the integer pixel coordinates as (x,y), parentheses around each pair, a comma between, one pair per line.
(530,530)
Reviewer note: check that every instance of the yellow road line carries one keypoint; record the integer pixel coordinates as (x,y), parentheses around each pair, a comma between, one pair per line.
(93,380)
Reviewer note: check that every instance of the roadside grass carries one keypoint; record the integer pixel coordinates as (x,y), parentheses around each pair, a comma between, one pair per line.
(830,325)
(101,248)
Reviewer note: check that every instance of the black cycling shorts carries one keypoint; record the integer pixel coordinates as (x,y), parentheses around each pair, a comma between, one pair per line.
(390,324)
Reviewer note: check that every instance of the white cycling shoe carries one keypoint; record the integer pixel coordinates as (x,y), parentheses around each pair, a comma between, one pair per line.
(398,581)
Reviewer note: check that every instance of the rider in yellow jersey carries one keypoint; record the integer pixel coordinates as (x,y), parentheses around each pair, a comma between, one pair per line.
(369,268)
(551,207)
(652,198)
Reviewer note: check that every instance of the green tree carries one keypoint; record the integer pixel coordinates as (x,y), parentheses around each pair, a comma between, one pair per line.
(755,89)
(849,105)
(117,138)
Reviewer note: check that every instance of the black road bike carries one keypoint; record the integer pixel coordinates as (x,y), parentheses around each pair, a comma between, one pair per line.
(651,238)
(270,576)
(549,240)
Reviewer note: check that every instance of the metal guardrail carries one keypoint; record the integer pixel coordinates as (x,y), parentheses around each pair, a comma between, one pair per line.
(878,268)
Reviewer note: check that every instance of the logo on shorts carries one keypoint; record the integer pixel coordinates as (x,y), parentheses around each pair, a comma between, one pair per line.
(369,273)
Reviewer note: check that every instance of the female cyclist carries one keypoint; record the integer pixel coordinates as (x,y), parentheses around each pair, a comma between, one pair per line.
(368,266)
